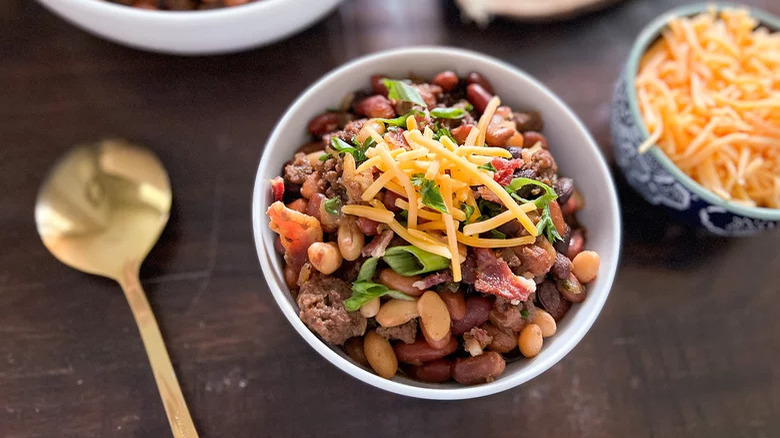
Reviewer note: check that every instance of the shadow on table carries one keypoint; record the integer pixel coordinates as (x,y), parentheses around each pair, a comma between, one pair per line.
(651,237)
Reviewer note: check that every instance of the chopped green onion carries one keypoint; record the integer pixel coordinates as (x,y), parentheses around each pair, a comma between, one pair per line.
(325,157)
(333,206)
(449,113)
(524,313)
(410,260)
(399,90)
(400,120)
(497,234)
(488,166)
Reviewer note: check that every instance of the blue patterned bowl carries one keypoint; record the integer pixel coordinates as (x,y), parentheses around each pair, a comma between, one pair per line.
(653,174)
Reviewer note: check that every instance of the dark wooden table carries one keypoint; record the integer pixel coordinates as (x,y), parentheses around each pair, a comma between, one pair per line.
(687,345)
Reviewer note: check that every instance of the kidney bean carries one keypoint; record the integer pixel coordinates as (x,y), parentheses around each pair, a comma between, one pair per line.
(435,371)
(564,187)
(551,300)
(435,343)
(557,218)
(324,123)
(380,355)
(378,86)
(399,282)
(530,138)
(571,289)
(479,369)
(278,245)
(447,80)
(528,121)
(419,352)
(561,268)
(477,312)
(375,106)
(503,341)
(478,96)
(461,133)
(476,78)
(290,277)
(367,226)
(389,200)
(354,349)
(311,185)
(455,302)
(576,243)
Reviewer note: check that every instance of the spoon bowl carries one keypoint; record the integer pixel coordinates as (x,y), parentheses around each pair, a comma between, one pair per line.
(101,210)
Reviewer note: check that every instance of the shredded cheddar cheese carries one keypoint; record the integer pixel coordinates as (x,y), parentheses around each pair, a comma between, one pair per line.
(709,93)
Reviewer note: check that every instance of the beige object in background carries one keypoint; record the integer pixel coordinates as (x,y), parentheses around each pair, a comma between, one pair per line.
(481,11)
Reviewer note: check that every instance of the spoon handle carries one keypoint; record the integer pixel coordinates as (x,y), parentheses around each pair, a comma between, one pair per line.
(170,392)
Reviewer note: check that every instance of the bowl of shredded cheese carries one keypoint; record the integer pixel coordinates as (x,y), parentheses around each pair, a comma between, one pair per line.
(696,117)
(419,184)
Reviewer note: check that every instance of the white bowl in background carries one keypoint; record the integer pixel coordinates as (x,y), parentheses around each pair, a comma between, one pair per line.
(576,153)
(212,31)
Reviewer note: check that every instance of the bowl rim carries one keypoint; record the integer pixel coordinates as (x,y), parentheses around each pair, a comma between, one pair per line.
(182,16)
(265,249)
(647,36)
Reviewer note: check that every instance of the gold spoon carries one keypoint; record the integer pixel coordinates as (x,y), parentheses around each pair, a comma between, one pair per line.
(100,211)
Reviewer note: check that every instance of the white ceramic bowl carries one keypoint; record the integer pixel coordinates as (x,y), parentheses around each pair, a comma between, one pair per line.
(574,150)
(212,31)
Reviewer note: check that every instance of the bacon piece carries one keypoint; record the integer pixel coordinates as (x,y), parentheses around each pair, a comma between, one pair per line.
(495,277)
(433,279)
(297,231)
(378,244)
(277,188)
(504,169)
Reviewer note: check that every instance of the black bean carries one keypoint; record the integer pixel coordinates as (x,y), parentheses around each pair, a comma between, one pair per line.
(564,187)
(550,299)
(516,152)
(561,268)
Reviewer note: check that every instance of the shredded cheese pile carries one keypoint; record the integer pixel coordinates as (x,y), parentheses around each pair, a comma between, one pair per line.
(709,93)
(454,169)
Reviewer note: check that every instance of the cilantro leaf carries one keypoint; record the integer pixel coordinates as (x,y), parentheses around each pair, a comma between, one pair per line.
(399,90)
(333,206)
(431,196)
(546,226)
(358,151)
(518,183)
(400,120)
(449,113)
(497,234)
(524,313)
(468,210)
(443,132)
(489,209)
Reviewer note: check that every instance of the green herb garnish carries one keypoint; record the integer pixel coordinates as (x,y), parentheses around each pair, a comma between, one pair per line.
(358,151)
(325,157)
(399,90)
(488,209)
(524,313)
(333,206)
(409,260)
(449,113)
(497,234)
(468,210)
(443,132)
(400,120)
(488,166)
(545,225)
(431,196)
(364,290)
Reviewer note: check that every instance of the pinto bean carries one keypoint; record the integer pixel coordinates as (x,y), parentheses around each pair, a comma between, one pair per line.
(419,352)
(298,205)
(528,121)
(378,86)
(311,185)
(515,140)
(324,123)
(435,343)
(447,80)
(354,349)
(370,309)
(503,340)
(455,302)
(376,106)
(461,133)
(571,289)
(290,277)
(364,133)
(557,218)
(435,371)
(478,96)
(434,315)
(530,138)
(498,133)
(477,312)
(325,257)
(479,369)
(396,312)
(476,78)
(396,281)
(380,355)
(350,239)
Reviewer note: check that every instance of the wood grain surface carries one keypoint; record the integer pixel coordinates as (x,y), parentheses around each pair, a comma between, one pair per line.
(688,344)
